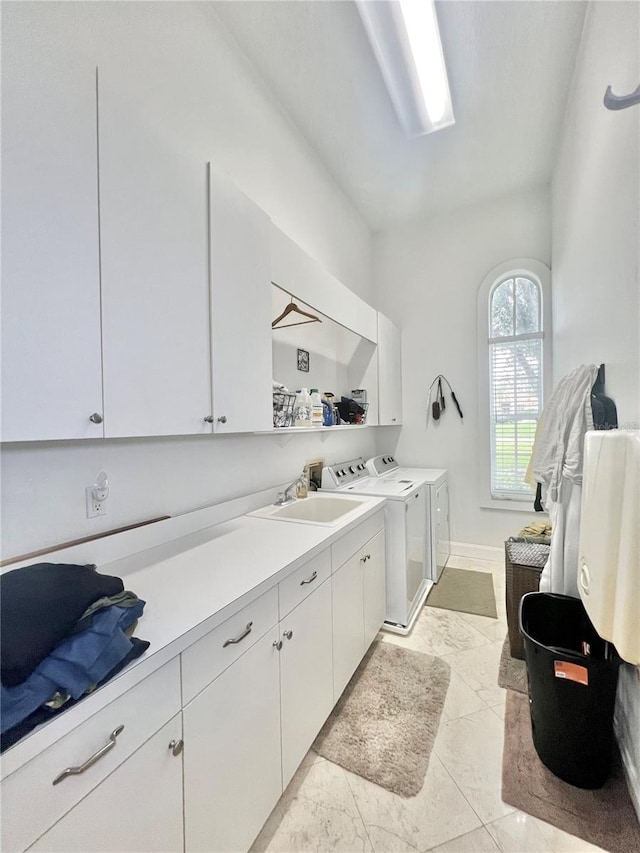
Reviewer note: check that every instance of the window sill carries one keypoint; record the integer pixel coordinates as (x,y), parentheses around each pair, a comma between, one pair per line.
(512,505)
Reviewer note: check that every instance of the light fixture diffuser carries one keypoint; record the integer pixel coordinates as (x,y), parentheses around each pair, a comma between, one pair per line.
(405,39)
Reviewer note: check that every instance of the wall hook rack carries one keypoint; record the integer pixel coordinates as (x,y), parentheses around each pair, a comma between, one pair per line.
(621,102)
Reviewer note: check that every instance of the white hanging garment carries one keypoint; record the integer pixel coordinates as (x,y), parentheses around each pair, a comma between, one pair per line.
(609,552)
(557,464)
(560,573)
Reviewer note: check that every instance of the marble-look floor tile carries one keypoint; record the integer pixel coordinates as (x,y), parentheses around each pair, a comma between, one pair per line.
(384,841)
(478,841)
(523,833)
(444,632)
(461,699)
(492,629)
(474,564)
(316,813)
(478,667)
(438,813)
(471,750)
(493,696)
(499,711)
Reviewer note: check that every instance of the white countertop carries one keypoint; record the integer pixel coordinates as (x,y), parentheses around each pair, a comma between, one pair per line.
(191,584)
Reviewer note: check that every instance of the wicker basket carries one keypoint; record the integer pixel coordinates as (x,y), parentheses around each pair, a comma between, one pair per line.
(524,562)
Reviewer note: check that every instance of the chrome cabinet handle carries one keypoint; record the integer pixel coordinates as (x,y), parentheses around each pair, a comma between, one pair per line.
(277,644)
(95,418)
(176,747)
(208,419)
(76,771)
(365,558)
(239,638)
(310,580)
(287,634)
(222,419)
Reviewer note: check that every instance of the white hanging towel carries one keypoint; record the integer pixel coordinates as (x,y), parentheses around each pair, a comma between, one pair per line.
(557,464)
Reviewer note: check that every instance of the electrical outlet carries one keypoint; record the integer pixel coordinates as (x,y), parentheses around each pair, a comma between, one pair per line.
(95,507)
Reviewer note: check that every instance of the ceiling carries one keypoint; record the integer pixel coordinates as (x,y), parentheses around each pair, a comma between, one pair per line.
(509,64)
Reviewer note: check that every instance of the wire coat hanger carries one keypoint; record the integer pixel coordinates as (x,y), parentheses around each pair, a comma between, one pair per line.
(293,308)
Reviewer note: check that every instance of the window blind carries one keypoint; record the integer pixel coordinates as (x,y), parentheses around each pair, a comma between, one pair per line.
(516,398)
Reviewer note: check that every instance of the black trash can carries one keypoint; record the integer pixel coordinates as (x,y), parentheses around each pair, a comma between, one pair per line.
(573,676)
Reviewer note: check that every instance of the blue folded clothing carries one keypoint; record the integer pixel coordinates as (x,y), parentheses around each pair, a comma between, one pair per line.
(81,660)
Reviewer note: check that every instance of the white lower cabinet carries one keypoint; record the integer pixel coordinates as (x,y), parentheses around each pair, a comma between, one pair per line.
(348,622)
(232,774)
(137,808)
(306,676)
(256,690)
(358,604)
(374,583)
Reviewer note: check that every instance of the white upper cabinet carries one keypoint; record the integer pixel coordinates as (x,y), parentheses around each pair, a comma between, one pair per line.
(155,297)
(240,310)
(51,372)
(389,373)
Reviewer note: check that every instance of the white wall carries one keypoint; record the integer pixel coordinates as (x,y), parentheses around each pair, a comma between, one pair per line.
(427,277)
(180,58)
(595,212)
(596,245)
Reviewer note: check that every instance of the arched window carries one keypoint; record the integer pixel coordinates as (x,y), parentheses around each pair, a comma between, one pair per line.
(515,381)
(513,316)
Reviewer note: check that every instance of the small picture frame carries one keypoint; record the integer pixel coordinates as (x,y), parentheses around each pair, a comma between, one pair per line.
(303,360)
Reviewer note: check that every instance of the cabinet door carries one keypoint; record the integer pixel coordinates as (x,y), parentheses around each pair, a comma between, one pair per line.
(305,676)
(155,299)
(375,598)
(51,372)
(348,621)
(232,773)
(137,808)
(443,545)
(389,372)
(240,274)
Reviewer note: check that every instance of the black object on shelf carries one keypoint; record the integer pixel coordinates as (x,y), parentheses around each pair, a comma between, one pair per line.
(573,677)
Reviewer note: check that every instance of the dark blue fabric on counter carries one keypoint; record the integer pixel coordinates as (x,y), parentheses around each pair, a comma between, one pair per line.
(82,659)
(39,606)
(44,714)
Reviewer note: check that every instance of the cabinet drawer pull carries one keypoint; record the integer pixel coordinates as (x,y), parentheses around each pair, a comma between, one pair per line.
(287,634)
(365,558)
(310,580)
(76,771)
(208,419)
(240,637)
(176,747)
(277,644)
(95,418)
(222,419)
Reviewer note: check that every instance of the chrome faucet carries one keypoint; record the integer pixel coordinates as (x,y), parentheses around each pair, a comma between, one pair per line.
(286,496)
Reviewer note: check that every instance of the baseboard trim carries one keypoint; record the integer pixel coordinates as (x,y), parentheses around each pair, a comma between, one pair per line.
(477,552)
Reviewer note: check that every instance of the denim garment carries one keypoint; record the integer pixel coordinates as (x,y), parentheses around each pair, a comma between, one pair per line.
(77,662)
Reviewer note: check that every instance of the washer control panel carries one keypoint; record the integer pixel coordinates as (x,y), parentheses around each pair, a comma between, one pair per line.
(344,473)
(379,465)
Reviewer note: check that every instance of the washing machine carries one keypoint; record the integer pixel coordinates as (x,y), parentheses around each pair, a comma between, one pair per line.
(407,539)
(436,500)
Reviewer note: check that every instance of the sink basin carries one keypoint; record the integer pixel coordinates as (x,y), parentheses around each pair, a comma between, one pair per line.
(311,510)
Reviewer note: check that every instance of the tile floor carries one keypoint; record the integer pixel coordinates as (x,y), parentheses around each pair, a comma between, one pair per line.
(459,809)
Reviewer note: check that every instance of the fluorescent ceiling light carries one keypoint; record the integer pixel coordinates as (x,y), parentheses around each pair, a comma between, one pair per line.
(405,38)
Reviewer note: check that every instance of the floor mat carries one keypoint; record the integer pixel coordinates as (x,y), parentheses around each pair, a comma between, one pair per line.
(384,725)
(512,672)
(466,591)
(604,817)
